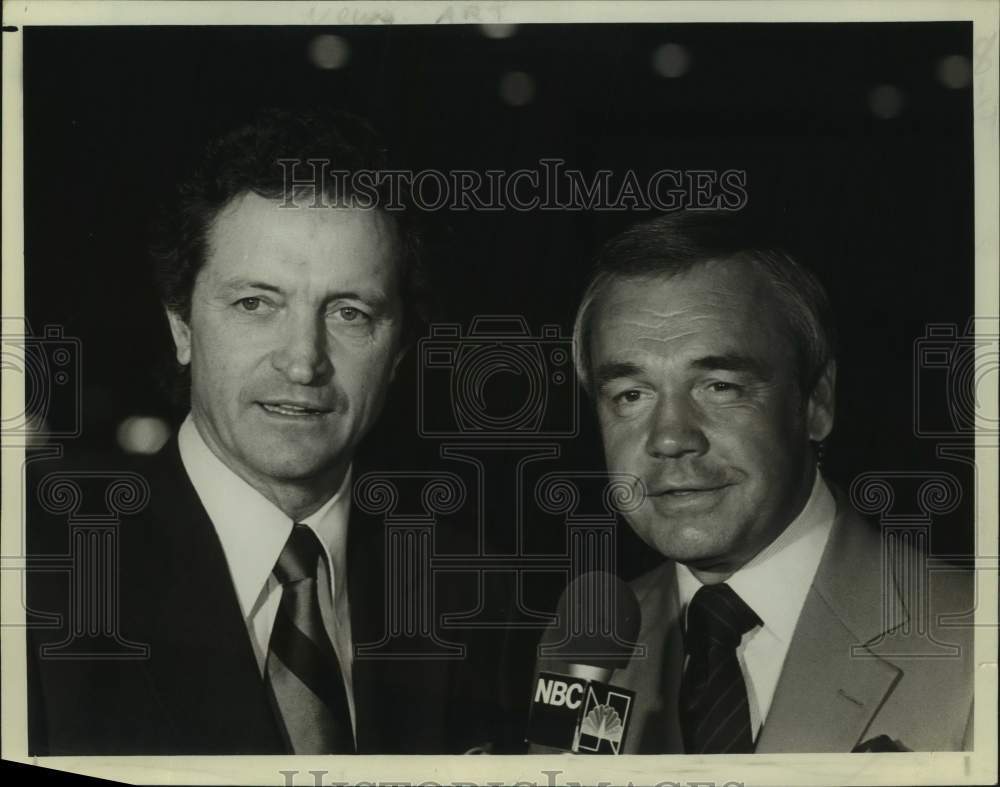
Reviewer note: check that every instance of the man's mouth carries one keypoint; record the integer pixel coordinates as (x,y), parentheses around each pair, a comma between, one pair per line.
(677,498)
(293,410)
(678,492)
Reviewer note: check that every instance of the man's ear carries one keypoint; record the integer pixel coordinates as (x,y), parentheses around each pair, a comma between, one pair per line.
(820,409)
(400,354)
(182,337)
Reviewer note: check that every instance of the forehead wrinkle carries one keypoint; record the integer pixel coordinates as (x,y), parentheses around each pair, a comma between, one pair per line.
(663,329)
(668,339)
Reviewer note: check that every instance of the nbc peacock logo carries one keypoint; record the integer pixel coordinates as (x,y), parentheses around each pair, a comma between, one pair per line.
(605,718)
(603,722)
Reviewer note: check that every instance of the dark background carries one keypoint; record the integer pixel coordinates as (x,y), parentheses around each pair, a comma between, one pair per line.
(882,208)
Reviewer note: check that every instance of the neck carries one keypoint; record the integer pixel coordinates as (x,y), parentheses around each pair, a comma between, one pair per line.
(298,501)
(296,498)
(713,576)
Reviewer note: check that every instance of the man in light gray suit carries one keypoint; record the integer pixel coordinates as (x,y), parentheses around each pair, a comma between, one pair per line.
(776,624)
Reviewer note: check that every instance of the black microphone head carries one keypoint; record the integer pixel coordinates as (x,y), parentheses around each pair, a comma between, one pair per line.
(598,623)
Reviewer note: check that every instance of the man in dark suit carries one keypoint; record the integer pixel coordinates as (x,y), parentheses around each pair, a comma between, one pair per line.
(780,621)
(257,584)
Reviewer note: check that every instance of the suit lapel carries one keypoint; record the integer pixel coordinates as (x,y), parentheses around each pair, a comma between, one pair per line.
(401,701)
(202,665)
(365,593)
(831,685)
(655,677)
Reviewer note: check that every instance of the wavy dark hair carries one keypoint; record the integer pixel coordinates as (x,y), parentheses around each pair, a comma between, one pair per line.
(248,160)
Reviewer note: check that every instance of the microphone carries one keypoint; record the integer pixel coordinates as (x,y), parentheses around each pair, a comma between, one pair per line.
(575,708)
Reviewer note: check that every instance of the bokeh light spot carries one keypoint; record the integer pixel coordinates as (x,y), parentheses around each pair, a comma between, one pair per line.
(671,60)
(885,101)
(139,434)
(498,31)
(329,52)
(517,88)
(954,71)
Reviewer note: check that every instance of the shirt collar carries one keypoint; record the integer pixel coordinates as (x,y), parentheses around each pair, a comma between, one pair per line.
(329,524)
(253,530)
(776,581)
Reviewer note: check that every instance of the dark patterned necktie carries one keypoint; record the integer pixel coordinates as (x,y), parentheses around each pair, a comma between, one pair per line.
(302,668)
(715,716)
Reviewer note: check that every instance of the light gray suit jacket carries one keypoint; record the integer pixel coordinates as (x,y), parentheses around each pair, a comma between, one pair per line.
(876,651)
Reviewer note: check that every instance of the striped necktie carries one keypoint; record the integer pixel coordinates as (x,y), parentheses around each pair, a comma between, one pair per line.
(303,673)
(715,716)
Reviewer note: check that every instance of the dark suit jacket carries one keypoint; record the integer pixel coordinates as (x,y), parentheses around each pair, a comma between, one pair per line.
(868,656)
(199,690)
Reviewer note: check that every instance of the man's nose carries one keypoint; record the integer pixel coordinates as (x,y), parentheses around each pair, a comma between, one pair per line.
(676,429)
(302,355)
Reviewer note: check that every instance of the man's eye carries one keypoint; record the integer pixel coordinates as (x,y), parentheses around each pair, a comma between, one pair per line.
(351,314)
(628,397)
(250,304)
(726,389)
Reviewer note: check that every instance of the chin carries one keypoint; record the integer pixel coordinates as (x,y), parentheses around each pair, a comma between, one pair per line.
(685,543)
(295,468)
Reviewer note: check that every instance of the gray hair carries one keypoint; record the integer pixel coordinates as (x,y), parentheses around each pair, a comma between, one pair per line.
(675,243)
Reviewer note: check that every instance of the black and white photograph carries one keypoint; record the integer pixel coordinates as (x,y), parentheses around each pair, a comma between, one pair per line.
(552,383)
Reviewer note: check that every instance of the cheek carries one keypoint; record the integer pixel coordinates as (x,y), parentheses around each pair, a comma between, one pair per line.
(220,365)
(767,450)
(783,435)
(748,433)
(623,443)
(364,377)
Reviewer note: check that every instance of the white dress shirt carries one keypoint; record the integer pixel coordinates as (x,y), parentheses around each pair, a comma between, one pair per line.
(253,531)
(774,584)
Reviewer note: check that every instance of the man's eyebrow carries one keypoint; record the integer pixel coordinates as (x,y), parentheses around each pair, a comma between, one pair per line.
(732,362)
(615,370)
(374,297)
(235,285)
